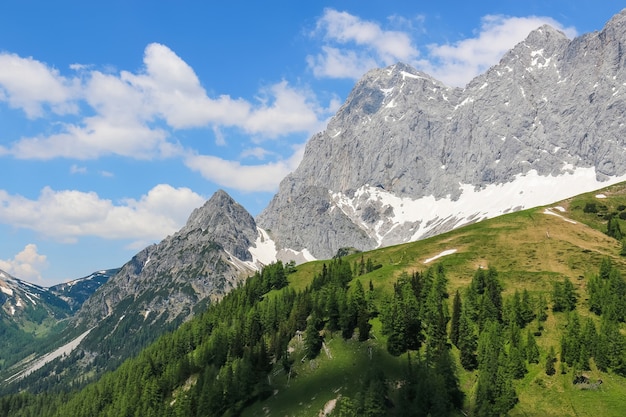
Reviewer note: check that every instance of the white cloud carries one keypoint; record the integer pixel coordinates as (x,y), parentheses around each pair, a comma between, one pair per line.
(285,109)
(368,46)
(256,152)
(136,115)
(352,46)
(69,214)
(28,84)
(340,63)
(75,169)
(251,178)
(26,265)
(456,64)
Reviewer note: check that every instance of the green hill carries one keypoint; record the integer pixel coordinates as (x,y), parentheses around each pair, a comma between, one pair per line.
(374,333)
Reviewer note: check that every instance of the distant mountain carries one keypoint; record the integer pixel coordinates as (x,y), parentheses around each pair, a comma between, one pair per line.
(31,316)
(28,302)
(407,157)
(159,288)
(76,292)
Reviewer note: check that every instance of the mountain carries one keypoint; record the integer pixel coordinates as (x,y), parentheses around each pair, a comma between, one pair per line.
(77,291)
(206,258)
(22,300)
(32,316)
(158,289)
(407,157)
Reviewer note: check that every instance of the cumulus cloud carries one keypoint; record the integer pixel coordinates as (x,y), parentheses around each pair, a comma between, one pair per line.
(28,84)
(26,265)
(351,46)
(136,115)
(251,178)
(457,63)
(354,45)
(285,109)
(67,215)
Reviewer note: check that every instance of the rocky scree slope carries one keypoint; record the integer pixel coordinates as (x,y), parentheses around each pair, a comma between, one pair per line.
(406,157)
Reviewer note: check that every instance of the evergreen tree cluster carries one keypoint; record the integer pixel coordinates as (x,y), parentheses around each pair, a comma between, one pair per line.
(564,295)
(487,330)
(415,319)
(607,298)
(607,293)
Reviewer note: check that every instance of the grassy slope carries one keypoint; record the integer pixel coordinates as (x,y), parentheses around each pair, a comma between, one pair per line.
(531,250)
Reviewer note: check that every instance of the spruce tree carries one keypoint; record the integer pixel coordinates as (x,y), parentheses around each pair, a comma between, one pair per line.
(531,349)
(312,338)
(455,319)
(550,361)
(468,342)
(613,228)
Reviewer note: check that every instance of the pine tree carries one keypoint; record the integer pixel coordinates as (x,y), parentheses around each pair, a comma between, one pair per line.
(516,363)
(531,348)
(495,394)
(455,319)
(312,338)
(550,361)
(613,228)
(468,342)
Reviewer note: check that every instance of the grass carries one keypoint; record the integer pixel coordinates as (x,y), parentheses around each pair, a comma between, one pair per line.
(315,382)
(531,250)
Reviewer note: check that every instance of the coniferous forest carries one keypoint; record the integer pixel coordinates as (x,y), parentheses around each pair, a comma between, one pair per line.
(222,361)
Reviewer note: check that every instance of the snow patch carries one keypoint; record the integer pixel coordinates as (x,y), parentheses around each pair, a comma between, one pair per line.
(30,297)
(337,133)
(7,291)
(468,100)
(406,75)
(444,253)
(264,249)
(600,196)
(415,219)
(387,91)
(550,212)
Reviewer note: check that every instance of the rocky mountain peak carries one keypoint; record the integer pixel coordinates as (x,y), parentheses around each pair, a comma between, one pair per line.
(405,154)
(618,21)
(227,222)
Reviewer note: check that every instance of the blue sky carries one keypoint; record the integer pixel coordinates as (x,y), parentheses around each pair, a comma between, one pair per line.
(118,118)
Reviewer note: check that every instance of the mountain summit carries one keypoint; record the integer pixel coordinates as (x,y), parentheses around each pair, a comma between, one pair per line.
(407,157)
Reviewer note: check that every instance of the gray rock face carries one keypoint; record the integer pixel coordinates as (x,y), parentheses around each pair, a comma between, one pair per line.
(550,106)
(184,269)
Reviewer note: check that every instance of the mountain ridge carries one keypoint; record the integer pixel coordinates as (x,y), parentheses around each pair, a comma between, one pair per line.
(550,109)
